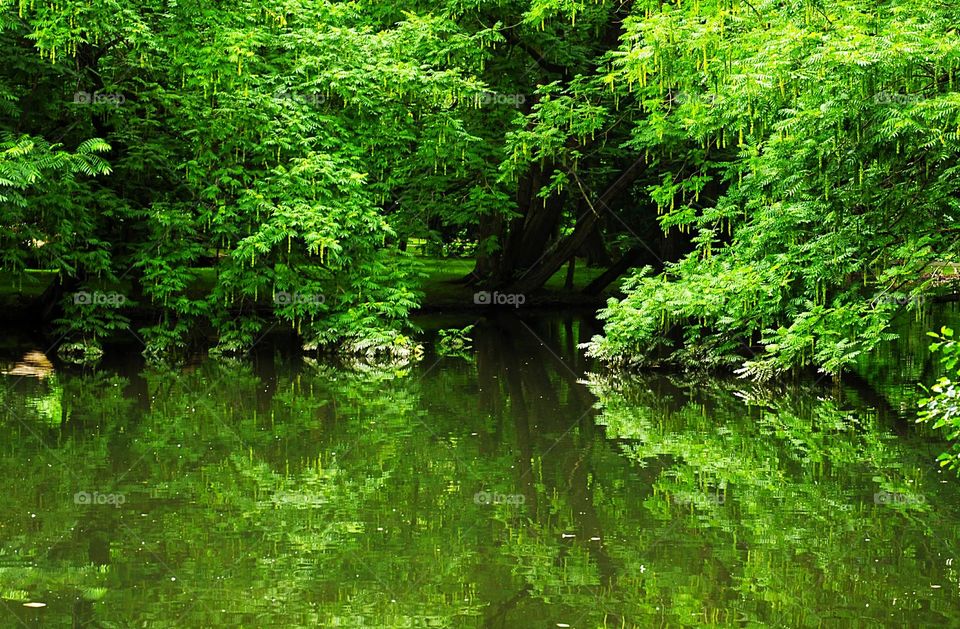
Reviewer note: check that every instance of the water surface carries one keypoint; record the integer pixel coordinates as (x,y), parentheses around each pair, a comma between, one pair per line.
(510,487)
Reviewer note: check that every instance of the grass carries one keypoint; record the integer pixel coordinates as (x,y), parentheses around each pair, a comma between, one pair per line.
(442,289)
(440,285)
(16,290)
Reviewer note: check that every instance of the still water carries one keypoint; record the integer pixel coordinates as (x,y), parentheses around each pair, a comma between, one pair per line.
(513,486)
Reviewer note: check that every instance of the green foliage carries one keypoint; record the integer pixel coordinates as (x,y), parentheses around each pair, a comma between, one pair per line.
(454,342)
(210,161)
(833,137)
(264,139)
(942,405)
(39,212)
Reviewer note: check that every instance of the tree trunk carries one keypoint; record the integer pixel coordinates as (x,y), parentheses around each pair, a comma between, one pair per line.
(539,229)
(488,253)
(571,272)
(595,249)
(562,251)
(627,261)
(524,240)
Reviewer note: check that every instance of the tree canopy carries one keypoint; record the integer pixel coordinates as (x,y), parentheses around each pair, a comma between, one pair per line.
(781,177)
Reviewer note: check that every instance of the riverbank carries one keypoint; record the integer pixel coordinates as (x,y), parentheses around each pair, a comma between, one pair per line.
(442,286)
(444,289)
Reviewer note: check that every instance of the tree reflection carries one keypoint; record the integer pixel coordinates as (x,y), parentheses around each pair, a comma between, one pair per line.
(292,492)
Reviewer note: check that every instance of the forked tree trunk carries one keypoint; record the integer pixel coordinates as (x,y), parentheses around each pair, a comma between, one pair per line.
(523,241)
(563,250)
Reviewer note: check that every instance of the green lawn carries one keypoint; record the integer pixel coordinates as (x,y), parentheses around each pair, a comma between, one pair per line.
(440,286)
(18,289)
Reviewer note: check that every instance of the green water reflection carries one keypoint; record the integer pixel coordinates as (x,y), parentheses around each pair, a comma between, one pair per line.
(513,489)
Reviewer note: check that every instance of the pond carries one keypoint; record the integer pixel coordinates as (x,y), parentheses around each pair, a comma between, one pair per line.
(515,486)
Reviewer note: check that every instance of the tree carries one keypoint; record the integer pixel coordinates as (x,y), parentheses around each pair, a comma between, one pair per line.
(841,202)
(251,137)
